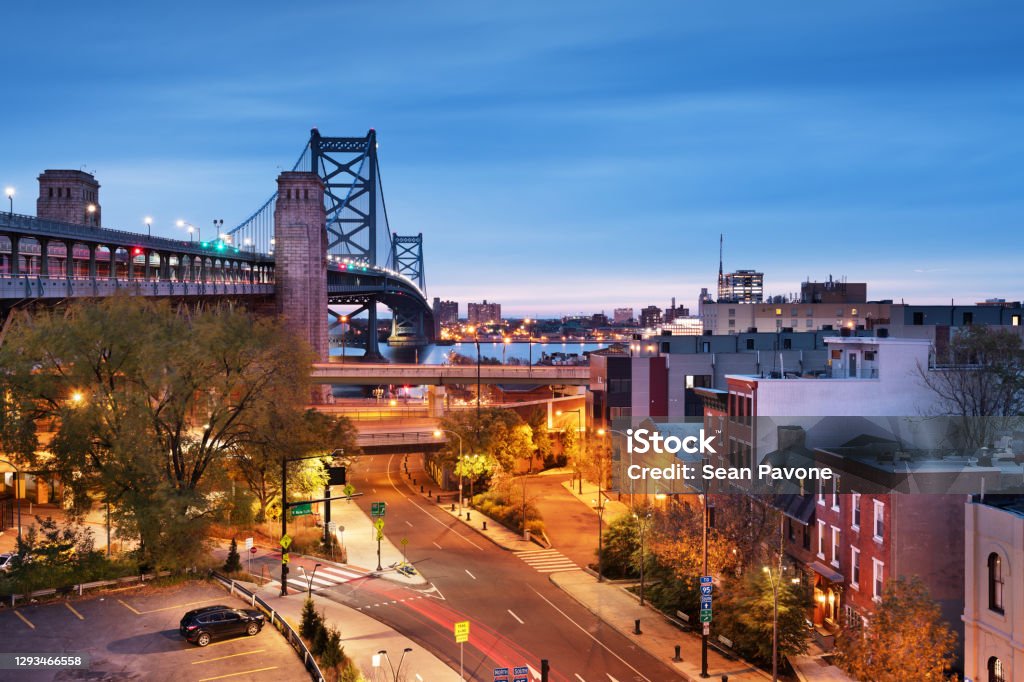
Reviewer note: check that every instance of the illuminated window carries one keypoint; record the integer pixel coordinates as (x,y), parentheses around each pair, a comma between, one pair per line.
(778,311)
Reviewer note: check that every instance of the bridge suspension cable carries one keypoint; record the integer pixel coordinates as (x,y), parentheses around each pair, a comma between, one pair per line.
(256,233)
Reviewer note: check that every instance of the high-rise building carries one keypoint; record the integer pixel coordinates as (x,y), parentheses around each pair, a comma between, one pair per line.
(650,316)
(623,316)
(833,292)
(741,286)
(483,313)
(446,312)
(673,312)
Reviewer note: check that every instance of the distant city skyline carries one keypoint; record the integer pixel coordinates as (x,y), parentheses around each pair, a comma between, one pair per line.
(562,158)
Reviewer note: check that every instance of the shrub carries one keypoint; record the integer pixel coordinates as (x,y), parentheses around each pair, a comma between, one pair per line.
(319,645)
(311,621)
(234,562)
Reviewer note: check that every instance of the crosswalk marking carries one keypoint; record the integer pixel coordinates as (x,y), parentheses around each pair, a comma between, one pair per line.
(326,576)
(548,561)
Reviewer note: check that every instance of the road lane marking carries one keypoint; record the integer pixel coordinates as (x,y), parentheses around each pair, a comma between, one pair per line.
(470,574)
(221,658)
(130,608)
(72,609)
(418,677)
(516,617)
(374,490)
(25,620)
(579,678)
(429,515)
(438,546)
(244,672)
(409,524)
(587,633)
(612,679)
(176,606)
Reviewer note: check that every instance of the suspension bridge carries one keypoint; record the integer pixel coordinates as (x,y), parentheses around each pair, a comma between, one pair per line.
(320,247)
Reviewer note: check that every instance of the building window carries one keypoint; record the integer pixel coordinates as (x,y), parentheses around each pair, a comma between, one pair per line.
(855,520)
(879,521)
(809,323)
(995,583)
(968,318)
(807,537)
(750,344)
(1015,320)
(869,355)
(995,670)
(918,318)
(821,539)
(732,312)
(877,580)
(789,530)
(778,311)
(732,323)
(821,493)
(855,568)
(835,546)
(835,493)
(853,312)
(787,344)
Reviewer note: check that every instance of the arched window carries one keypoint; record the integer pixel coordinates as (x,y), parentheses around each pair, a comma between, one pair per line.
(995,583)
(995,670)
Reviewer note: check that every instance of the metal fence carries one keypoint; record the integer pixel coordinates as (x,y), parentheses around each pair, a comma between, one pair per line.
(277,621)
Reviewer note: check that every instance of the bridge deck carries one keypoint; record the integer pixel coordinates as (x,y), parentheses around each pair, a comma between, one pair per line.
(364,374)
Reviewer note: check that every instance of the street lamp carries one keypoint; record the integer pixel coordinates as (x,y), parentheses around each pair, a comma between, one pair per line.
(579,425)
(505,341)
(475,331)
(395,672)
(91,211)
(9,191)
(529,333)
(344,333)
(600,535)
(149,226)
(775,623)
(17,474)
(643,519)
(309,579)
(437,434)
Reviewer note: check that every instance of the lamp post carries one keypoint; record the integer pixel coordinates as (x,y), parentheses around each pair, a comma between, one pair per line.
(600,535)
(775,623)
(91,214)
(9,191)
(395,672)
(17,502)
(344,334)
(529,334)
(643,519)
(579,426)
(475,331)
(309,579)
(504,346)
(437,434)
(149,226)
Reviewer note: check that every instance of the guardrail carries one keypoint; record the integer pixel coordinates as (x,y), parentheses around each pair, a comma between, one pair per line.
(277,621)
(82,587)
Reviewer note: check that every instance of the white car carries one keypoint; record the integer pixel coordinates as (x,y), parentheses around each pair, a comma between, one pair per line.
(7,561)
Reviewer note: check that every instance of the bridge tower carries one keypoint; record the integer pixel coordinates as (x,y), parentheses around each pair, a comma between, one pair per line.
(300,257)
(69,196)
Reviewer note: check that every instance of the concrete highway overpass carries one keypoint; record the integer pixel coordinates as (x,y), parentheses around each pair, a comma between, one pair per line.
(365,374)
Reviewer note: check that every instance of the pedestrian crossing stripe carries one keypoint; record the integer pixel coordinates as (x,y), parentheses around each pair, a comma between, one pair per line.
(548,561)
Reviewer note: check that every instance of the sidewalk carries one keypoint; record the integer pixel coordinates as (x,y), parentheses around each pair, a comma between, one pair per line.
(361,635)
(613,509)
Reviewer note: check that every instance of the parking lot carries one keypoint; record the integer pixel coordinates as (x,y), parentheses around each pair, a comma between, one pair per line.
(133,634)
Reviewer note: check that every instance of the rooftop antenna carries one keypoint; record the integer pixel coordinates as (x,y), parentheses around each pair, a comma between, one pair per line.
(721,240)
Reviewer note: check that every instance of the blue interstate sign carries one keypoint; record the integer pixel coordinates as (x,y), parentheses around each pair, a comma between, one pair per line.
(705,602)
(706,589)
(705,579)
(498,672)
(521,670)
(520,679)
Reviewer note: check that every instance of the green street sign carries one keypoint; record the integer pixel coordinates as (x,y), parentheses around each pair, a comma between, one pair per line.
(377,508)
(705,617)
(302,509)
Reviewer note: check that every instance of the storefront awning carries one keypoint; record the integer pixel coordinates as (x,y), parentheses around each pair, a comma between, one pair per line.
(827,572)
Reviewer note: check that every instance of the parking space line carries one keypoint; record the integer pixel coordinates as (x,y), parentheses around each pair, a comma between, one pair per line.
(24,619)
(72,609)
(244,672)
(221,658)
(129,607)
(179,606)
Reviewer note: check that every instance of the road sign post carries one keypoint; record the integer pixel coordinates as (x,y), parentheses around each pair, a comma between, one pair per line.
(379,525)
(461,630)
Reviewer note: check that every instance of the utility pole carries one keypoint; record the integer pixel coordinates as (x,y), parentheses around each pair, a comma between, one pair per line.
(704,631)
(284,525)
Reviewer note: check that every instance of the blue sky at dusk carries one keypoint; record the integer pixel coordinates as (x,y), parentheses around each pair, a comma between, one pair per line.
(561,157)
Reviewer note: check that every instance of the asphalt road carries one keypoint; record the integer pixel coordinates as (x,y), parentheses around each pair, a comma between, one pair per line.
(517,616)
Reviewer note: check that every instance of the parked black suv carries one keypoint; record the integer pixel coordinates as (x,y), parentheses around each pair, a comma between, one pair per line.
(200,626)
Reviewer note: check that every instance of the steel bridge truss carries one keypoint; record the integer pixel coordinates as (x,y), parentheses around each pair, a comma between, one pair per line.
(348,168)
(407,258)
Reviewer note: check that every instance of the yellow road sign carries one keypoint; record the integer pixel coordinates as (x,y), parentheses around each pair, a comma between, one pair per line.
(379,524)
(285,558)
(461,631)
(286,541)
(380,535)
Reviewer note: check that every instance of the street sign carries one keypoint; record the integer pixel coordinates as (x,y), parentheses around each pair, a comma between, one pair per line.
(498,672)
(706,579)
(705,618)
(706,589)
(705,602)
(302,509)
(252,550)
(285,558)
(520,670)
(286,541)
(335,475)
(349,490)
(520,679)
(707,629)
(379,524)
(380,535)
(378,508)
(248,543)
(705,612)
(461,631)
(332,527)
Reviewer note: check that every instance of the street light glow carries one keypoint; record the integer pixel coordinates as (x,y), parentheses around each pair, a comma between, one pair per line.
(9,191)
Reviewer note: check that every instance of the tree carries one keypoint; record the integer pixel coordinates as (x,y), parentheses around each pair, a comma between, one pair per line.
(320,638)
(281,432)
(906,638)
(980,381)
(146,401)
(332,656)
(746,613)
(311,621)
(500,434)
(233,562)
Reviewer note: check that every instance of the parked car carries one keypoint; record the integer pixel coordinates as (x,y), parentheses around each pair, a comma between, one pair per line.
(201,626)
(7,561)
